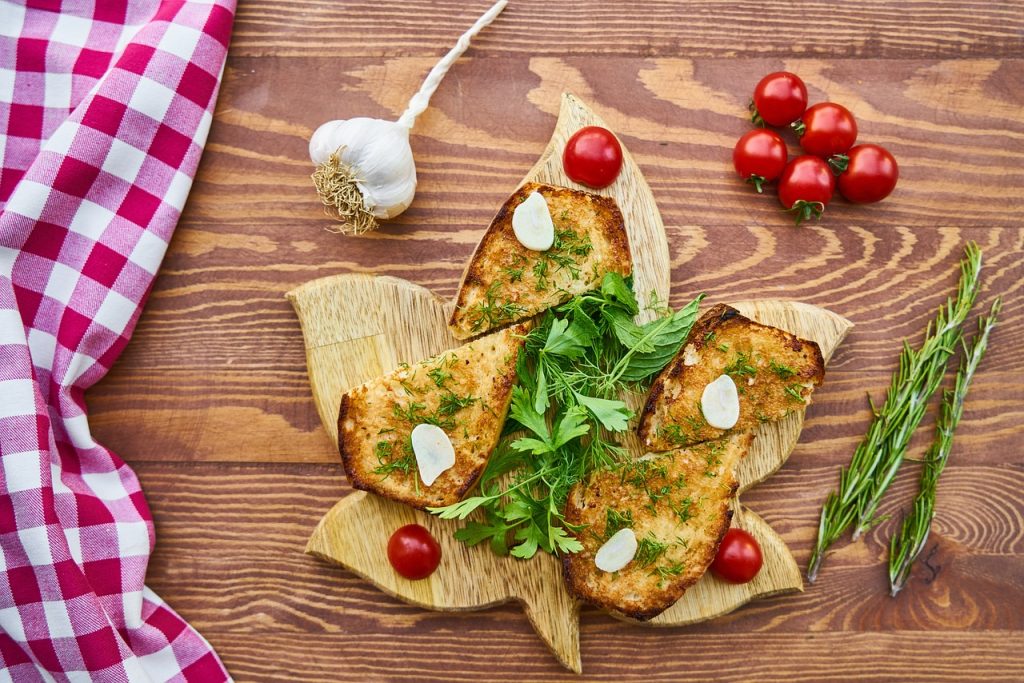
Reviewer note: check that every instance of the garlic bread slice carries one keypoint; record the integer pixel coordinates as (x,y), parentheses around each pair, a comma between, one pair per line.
(677,504)
(465,392)
(506,282)
(774,373)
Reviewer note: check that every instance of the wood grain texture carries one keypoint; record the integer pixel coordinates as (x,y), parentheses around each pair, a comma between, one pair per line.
(252,583)
(211,400)
(638,29)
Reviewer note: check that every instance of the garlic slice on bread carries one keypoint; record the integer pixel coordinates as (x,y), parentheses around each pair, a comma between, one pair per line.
(772,371)
(463,393)
(507,280)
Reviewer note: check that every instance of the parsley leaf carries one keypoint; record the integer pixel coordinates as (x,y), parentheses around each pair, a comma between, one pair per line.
(616,290)
(612,414)
(567,339)
(525,413)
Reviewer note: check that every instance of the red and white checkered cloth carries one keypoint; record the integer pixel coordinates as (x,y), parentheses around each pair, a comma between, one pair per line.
(104,111)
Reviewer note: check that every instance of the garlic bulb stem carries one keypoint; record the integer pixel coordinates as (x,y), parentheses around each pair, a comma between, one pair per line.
(421,99)
(365,170)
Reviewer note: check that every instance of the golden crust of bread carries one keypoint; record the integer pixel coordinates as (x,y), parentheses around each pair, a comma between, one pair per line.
(775,373)
(465,391)
(505,282)
(677,504)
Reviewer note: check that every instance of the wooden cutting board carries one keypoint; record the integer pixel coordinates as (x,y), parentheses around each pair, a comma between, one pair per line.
(358,327)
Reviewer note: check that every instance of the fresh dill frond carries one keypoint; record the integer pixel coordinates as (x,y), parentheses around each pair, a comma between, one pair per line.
(783,372)
(648,550)
(793,391)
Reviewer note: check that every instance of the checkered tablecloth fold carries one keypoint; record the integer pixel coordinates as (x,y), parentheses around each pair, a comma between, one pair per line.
(104,111)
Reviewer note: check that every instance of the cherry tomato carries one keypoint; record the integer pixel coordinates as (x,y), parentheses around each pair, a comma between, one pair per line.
(413,552)
(806,187)
(825,129)
(779,99)
(871,174)
(739,557)
(592,157)
(759,157)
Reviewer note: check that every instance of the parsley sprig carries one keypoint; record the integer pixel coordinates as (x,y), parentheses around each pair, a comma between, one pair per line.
(566,411)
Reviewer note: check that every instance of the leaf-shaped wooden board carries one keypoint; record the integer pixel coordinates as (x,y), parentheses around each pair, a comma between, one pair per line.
(357,327)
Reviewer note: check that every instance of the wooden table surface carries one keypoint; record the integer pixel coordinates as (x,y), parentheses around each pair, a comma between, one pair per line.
(210,402)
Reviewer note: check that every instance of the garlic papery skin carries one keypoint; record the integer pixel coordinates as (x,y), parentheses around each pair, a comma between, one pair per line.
(720,403)
(434,452)
(370,158)
(617,551)
(364,167)
(532,224)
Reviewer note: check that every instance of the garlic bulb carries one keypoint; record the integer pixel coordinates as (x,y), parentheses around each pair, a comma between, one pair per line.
(386,178)
(365,169)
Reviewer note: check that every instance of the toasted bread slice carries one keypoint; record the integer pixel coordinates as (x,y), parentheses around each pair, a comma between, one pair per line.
(677,504)
(465,391)
(505,282)
(774,371)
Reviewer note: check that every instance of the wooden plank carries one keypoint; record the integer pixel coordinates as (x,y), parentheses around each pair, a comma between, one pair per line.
(877,28)
(953,125)
(232,558)
(501,653)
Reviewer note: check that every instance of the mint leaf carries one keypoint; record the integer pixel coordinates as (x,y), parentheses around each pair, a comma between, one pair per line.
(627,332)
(586,326)
(667,335)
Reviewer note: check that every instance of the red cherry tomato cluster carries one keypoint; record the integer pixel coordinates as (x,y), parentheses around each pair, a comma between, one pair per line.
(827,134)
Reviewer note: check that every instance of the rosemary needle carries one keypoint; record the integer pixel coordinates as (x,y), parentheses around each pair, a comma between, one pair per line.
(907,545)
(879,455)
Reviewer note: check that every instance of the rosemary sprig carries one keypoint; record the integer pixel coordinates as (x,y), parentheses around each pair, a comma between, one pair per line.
(879,455)
(907,545)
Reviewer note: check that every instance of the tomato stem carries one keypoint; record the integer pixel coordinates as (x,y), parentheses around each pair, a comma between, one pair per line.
(757,181)
(804,211)
(798,127)
(838,163)
(755,117)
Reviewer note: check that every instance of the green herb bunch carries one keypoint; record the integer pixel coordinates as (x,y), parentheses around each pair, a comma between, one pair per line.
(880,454)
(567,408)
(908,543)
